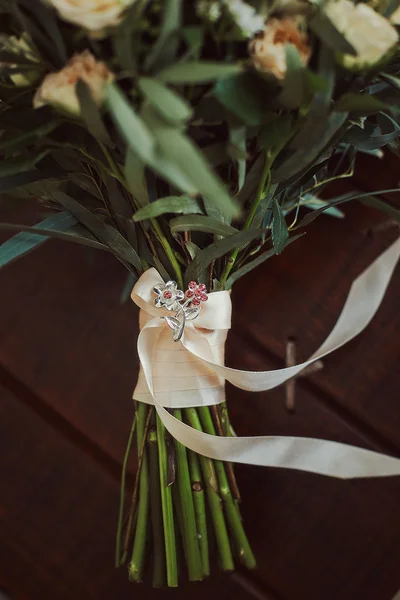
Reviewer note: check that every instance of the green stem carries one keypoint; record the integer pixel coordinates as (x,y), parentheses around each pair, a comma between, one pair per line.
(167,508)
(262,191)
(138,553)
(232,510)
(159,574)
(199,509)
(189,529)
(118,557)
(214,500)
(168,251)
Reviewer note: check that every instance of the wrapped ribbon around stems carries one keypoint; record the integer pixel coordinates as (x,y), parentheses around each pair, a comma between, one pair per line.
(192,373)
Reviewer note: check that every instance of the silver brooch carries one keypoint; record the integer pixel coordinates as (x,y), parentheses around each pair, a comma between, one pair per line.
(185,305)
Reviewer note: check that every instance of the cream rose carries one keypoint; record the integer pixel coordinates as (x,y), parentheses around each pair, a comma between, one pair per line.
(268,47)
(59,89)
(371,35)
(93,15)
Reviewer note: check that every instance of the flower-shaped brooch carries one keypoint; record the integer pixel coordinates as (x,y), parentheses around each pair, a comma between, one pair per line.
(185,305)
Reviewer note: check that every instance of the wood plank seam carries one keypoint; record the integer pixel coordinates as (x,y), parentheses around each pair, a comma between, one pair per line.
(372,437)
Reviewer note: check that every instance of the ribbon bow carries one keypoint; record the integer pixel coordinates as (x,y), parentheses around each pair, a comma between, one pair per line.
(192,373)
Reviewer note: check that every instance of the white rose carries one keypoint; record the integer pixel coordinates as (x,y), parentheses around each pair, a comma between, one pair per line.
(371,35)
(59,89)
(93,15)
(268,49)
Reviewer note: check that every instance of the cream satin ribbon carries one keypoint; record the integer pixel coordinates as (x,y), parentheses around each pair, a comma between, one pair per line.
(191,373)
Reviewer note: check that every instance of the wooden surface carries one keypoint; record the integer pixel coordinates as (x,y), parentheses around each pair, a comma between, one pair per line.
(67,368)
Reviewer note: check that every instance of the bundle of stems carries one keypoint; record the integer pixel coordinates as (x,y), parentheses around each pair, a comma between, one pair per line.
(184,507)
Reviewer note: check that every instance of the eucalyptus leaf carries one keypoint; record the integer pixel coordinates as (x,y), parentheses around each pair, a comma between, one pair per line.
(134,174)
(279,229)
(105,233)
(76,233)
(91,114)
(205,257)
(360,103)
(169,204)
(197,72)
(24,242)
(181,151)
(167,102)
(256,262)
(19,180)
(166,46)
(303,159)
(308,218)
(24,162)
(201,223)
(242,95)
(391,211)
(130,125)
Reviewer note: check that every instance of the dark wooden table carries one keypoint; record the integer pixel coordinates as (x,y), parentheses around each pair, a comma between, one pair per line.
(67,369)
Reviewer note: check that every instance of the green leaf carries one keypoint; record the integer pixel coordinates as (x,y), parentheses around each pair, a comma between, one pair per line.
(393,81)
(371,136)
(237,150)
(168,103)
(279,228)
(11,182)
(308,218)
(302,159)
(188,158)
(256,262)
(197,72)
(293,87)
(20,142)
(391,211)
(130,125)
(318,112)
(170,204)
(192,248)
(105,233)
(78,234)
(205,257)
(201,223)
(315,203)
(91,114)
(22,243)
(166,46)
(134,174)
(25,162)
(360,103)
(243,96)
(275,132)
(193,36)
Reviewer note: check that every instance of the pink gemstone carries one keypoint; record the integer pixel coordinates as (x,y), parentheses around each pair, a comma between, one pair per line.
(167,295)
(202,287)
(198,293)
(189,294)
(192,285)
(203,297)
(196,301)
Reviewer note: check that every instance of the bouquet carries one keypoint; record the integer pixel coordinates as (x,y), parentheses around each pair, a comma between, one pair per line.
(193,141)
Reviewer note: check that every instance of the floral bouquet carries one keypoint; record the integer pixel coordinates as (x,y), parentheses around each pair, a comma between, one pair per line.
(193,141)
